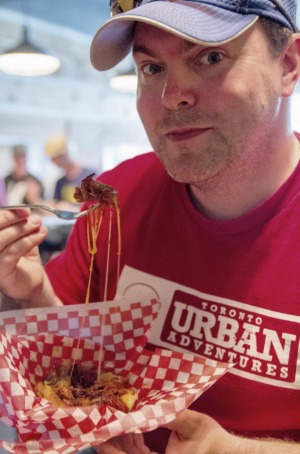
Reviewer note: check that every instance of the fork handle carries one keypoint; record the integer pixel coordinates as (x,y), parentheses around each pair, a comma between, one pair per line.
(24,205)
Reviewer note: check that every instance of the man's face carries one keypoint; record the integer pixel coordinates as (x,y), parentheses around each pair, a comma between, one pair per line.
(207,109)
(60,161)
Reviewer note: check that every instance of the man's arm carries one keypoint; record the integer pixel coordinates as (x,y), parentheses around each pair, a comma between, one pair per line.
(197,433)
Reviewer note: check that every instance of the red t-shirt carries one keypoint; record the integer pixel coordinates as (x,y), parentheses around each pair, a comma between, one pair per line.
(231,289)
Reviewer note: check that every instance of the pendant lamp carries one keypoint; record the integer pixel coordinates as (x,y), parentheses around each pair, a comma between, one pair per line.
(28,60)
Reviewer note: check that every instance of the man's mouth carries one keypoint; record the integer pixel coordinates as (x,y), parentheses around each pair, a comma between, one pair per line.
(181,134)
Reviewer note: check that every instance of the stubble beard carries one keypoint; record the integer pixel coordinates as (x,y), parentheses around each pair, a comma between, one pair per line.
(194,164)
(195,161)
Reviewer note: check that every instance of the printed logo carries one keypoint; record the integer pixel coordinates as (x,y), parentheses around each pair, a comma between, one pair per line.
(259,343)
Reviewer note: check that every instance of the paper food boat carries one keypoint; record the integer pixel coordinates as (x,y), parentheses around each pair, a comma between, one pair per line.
(32,342)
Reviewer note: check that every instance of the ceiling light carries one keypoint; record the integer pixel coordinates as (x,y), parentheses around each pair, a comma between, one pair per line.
(125,82)
(28,60)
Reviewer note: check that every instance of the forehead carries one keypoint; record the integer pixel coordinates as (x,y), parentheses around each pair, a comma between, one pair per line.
(148,37)
(146,34)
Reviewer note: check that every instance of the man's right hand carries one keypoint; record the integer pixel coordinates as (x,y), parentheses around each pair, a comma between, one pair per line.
(22,275)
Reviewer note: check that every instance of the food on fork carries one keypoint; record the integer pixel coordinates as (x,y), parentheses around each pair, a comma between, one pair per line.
(95,191)
(67,387)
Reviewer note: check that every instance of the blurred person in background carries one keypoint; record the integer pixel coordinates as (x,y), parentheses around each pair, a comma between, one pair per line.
(57,149)
(3,195)
(22,186)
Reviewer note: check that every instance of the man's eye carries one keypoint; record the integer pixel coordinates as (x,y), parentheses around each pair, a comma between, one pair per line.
(151,69)
(211,58)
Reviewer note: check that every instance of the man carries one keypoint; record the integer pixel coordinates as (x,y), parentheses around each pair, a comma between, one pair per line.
(211,225)
(57,149)
(22,186)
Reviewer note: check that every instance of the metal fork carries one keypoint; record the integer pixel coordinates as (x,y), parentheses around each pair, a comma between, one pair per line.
(62,214)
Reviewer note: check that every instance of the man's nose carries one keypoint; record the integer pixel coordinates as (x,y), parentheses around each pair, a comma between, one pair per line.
(178,92)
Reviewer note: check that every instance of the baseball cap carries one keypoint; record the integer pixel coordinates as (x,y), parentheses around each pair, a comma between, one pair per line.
(56,146)
(208,22)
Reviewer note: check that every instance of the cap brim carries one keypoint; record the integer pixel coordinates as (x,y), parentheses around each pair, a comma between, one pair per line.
(196,22)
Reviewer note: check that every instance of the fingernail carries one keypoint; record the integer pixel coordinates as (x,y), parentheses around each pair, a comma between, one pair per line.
(22,213)
(43,229)
(34,219)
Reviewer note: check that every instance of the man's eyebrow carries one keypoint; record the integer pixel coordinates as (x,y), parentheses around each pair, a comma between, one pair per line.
(142,49)
(139,48)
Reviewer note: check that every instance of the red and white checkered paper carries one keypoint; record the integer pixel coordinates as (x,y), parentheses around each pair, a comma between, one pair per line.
(166,382)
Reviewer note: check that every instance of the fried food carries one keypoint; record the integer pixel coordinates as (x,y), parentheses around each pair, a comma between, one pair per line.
(81,387)
(92,190)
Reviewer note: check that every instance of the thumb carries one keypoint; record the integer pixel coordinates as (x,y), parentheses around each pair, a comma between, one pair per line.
(186,424)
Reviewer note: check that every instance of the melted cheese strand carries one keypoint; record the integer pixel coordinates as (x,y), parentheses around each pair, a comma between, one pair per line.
(94,223)
(102,320)
(117,208)
(108,256)
(93,226)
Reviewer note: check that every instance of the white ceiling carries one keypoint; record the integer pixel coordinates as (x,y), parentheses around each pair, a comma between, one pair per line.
(82,15)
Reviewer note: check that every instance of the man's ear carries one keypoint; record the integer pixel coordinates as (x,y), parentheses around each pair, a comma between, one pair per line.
(291,66)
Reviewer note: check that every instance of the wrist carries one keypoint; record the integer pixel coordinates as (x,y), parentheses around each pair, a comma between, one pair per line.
(45,296)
